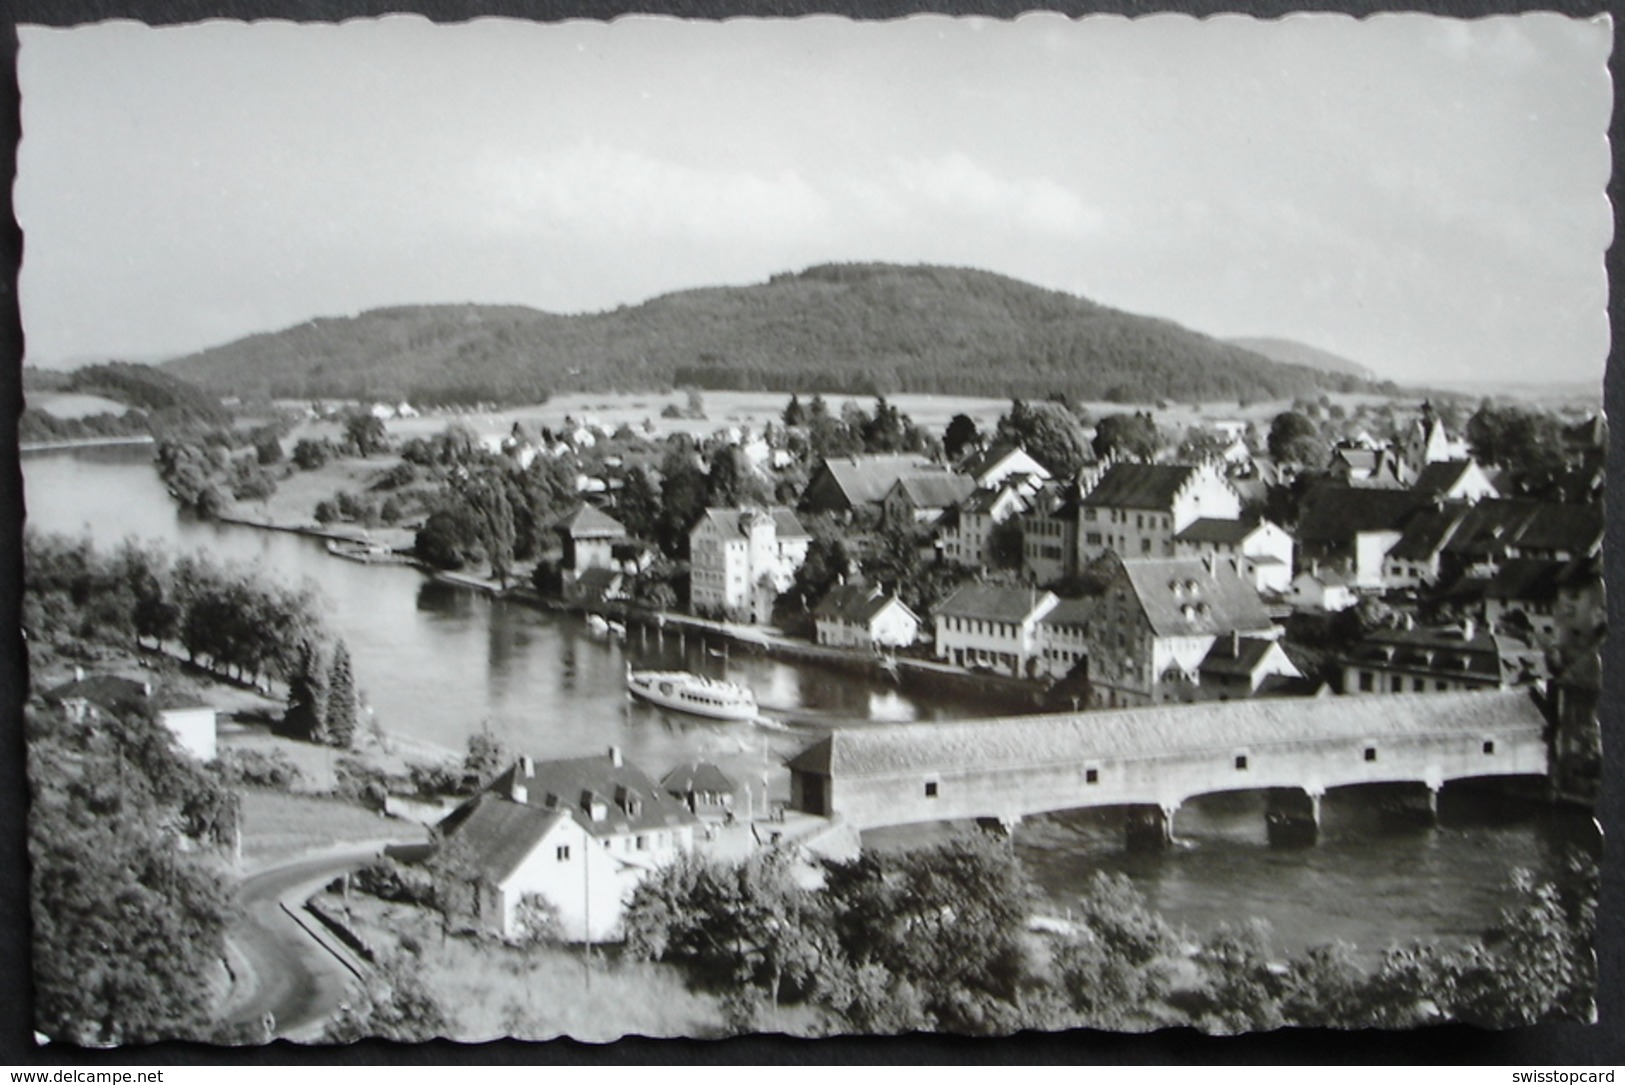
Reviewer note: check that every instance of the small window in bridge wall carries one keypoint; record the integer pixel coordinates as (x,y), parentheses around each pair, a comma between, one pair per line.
(930,789)
(1370,753)
(1241,762)
(1489,746)
(1091,775)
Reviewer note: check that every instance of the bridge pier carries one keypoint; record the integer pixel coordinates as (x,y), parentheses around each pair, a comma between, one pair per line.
(1003,825)
(1149,828)
(1292,817)
(1412,807)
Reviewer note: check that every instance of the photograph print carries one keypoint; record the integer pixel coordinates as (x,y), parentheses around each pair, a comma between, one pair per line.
(813,527)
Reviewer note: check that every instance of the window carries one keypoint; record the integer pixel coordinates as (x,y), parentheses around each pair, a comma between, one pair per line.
(930,789)
(643,843)
(1241,762)
(1370,753)
(1091,776)
(1365,681)
(1396,684)
(1418,685)
(563,853)
(1489,746)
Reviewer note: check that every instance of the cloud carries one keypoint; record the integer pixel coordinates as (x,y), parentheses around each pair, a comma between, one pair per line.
(955,187)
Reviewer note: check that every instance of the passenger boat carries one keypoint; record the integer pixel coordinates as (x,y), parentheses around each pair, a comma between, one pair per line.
(368,553)
(693,694)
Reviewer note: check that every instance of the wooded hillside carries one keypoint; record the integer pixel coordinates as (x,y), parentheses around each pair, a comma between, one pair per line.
(853,328)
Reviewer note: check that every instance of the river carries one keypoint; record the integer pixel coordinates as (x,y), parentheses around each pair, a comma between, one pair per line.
(438,663)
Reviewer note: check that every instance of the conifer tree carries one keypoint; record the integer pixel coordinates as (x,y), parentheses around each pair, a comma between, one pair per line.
(306,716)
(341,699)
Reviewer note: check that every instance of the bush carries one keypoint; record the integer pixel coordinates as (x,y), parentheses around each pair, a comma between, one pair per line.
(391,880)
(259,768)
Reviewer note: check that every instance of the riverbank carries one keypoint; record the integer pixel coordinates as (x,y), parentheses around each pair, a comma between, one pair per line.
(83,442)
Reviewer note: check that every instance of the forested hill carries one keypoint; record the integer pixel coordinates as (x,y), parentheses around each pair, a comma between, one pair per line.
(1291,352)
(857,329)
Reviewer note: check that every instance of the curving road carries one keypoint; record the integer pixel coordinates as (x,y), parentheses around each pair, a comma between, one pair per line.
(284,971)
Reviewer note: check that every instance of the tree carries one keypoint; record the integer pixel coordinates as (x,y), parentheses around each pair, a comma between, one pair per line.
(365,431)
(637,506)
(306,714)
(341,699)
(1049,432)
(309,455)
(794,414)
(1244,993)
(1294,438)
(1127,437)
(962,433)
(487,756)
(397,1005)
(1528,442)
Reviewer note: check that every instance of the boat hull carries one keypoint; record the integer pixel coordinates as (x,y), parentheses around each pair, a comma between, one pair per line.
(694,696)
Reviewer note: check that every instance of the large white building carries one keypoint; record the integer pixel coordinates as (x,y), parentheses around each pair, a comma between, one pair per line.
(742,559)
(580,833)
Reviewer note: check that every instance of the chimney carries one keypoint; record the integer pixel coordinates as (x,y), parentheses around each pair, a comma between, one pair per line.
(527,767)
(615,756)
(78,673)
(519,792)
(1469,628)
(1235,644)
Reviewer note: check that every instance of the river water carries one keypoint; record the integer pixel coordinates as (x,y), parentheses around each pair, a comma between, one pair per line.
(438,663)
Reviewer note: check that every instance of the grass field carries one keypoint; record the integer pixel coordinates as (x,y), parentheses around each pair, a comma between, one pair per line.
(279,825)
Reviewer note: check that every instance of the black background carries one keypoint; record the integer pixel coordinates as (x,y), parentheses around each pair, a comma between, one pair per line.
(1555,1045)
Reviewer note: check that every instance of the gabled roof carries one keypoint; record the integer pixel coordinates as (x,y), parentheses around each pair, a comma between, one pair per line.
(1072,612)
(992,603)
(498,833)
(1181,597)
(566,785)
(1239,660)
(984,460)
(737,521)
(1427,531)
(857,604)
(1211,530)
(1333,514)
(1496,524)
(864,480)
(697,776)
(1441,476)
(937,490)
(947,745)
(1450,650)
(1533,579)
(110,692)
(589,522)
(1140,486)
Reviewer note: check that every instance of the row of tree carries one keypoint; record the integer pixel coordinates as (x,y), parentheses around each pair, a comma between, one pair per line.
(936,939)
(230,617)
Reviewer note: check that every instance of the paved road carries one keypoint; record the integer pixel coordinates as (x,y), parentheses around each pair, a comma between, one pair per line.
(285,971)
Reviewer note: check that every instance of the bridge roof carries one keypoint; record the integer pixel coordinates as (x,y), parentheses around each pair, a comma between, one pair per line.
(898,749)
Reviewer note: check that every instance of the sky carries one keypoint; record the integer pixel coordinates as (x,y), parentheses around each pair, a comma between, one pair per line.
(1421,195)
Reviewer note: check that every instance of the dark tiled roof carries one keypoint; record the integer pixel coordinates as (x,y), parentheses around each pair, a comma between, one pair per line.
(697,776)
(864,480)
(1241,660)
(855,603)
(1439,477)
(941,746)
(106,691)
(1211,530)
(1427,532)
(1334,514)
(1140,485)
(735,521)
(1533,579)
(986,458)
(937,490)
(1450,651)
(1072,612)
(589,522)
(498,833)
(1496,524)
(565,785)
(1181,597)
(989,602)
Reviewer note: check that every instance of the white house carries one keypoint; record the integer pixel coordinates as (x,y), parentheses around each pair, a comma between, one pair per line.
(966,531)
(742,559)
(860,616)
(1268,548)
(93,698)
(989,467)
(1455,480)
(1325,590)
(580,833)
(993,627)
